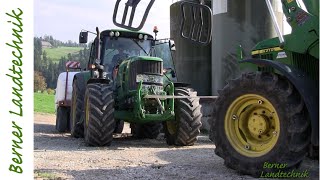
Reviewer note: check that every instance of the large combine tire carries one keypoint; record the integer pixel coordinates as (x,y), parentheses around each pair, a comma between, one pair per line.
(183,131)
(77,114)
(99,115)
(148,130)
(259,120)
(119,127)
(62,119)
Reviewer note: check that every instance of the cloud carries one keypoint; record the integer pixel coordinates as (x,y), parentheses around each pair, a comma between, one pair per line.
(65,19)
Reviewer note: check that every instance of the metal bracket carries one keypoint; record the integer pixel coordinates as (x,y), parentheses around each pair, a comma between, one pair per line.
(133,4)
(195,32)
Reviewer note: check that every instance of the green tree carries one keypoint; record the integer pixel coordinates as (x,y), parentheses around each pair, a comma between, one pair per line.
(39,82)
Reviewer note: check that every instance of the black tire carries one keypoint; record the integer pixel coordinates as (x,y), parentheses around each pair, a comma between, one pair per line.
(62,119)
(119,127)
(292,142)
(99,115)
(148,130)
(77,113)
(186,127)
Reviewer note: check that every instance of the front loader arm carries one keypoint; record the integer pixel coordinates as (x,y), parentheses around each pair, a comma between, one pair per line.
(304,37)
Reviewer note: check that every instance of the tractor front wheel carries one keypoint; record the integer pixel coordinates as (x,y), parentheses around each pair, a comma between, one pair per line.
(99,115)
(183,131)
(259,120)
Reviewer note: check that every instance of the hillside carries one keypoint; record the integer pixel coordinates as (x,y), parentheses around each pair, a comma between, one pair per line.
(55,54)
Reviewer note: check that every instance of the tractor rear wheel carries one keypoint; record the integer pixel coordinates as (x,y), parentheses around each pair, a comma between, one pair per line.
(76,114)
(148,130)
(260,119)
(99,115)
(62,119)
(183,131)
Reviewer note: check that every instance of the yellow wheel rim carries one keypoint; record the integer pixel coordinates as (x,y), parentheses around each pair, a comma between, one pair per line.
(252,125)
(87,111)
(74,100)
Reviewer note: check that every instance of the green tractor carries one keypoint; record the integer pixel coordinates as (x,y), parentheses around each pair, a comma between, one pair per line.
(270,116)
(131,78)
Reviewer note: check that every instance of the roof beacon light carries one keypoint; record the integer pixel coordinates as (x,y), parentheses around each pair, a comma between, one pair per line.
(155,29)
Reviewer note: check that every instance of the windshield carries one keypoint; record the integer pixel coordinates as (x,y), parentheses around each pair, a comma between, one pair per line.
(116,50)
(162,50)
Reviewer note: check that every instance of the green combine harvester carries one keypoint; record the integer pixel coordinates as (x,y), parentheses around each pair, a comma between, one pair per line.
(131,77)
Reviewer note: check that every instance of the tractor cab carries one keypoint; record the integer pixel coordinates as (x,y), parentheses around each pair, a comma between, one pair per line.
(112,47)
(120,45)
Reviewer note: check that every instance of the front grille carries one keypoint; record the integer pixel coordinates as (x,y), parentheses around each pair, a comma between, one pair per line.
(307,64)
(143,67)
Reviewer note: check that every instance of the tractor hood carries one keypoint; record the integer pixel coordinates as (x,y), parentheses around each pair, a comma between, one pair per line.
(144,58)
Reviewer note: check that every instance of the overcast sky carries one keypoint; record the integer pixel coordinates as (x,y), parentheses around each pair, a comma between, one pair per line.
(64,19)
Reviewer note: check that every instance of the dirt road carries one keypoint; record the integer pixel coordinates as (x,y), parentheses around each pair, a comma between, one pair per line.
(58,156)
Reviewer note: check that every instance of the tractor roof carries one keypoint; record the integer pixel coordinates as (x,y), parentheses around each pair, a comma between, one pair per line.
(124,32)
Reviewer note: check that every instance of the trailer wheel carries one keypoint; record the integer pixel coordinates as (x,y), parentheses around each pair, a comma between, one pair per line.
(99,115)
(62,119)
(260,119)
(149,130)
(76,114)
(183,131)
(119,127)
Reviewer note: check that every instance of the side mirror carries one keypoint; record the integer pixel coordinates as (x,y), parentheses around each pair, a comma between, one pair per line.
(172,45)
(83,37)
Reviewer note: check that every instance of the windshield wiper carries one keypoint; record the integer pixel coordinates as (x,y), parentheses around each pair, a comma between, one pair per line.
(140,46)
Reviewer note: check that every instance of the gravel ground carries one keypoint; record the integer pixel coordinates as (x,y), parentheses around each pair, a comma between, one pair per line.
(58,156)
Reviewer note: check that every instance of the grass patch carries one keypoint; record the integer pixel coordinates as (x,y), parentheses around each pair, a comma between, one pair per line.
(45,175)
(56,53)
(44,103)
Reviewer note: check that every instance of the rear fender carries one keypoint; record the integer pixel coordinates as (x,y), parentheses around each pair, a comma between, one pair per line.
(308,89)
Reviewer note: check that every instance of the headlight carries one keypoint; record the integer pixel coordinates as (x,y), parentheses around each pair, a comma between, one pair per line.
(104,75)
(96,74)
(117,34)
(111,34)
(140,36)
(149,78)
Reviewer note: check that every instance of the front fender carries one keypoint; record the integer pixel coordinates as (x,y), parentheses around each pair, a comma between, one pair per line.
(308,89)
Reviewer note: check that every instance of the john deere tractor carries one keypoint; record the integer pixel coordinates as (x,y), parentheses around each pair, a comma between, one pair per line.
(131,78)
(271,114)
